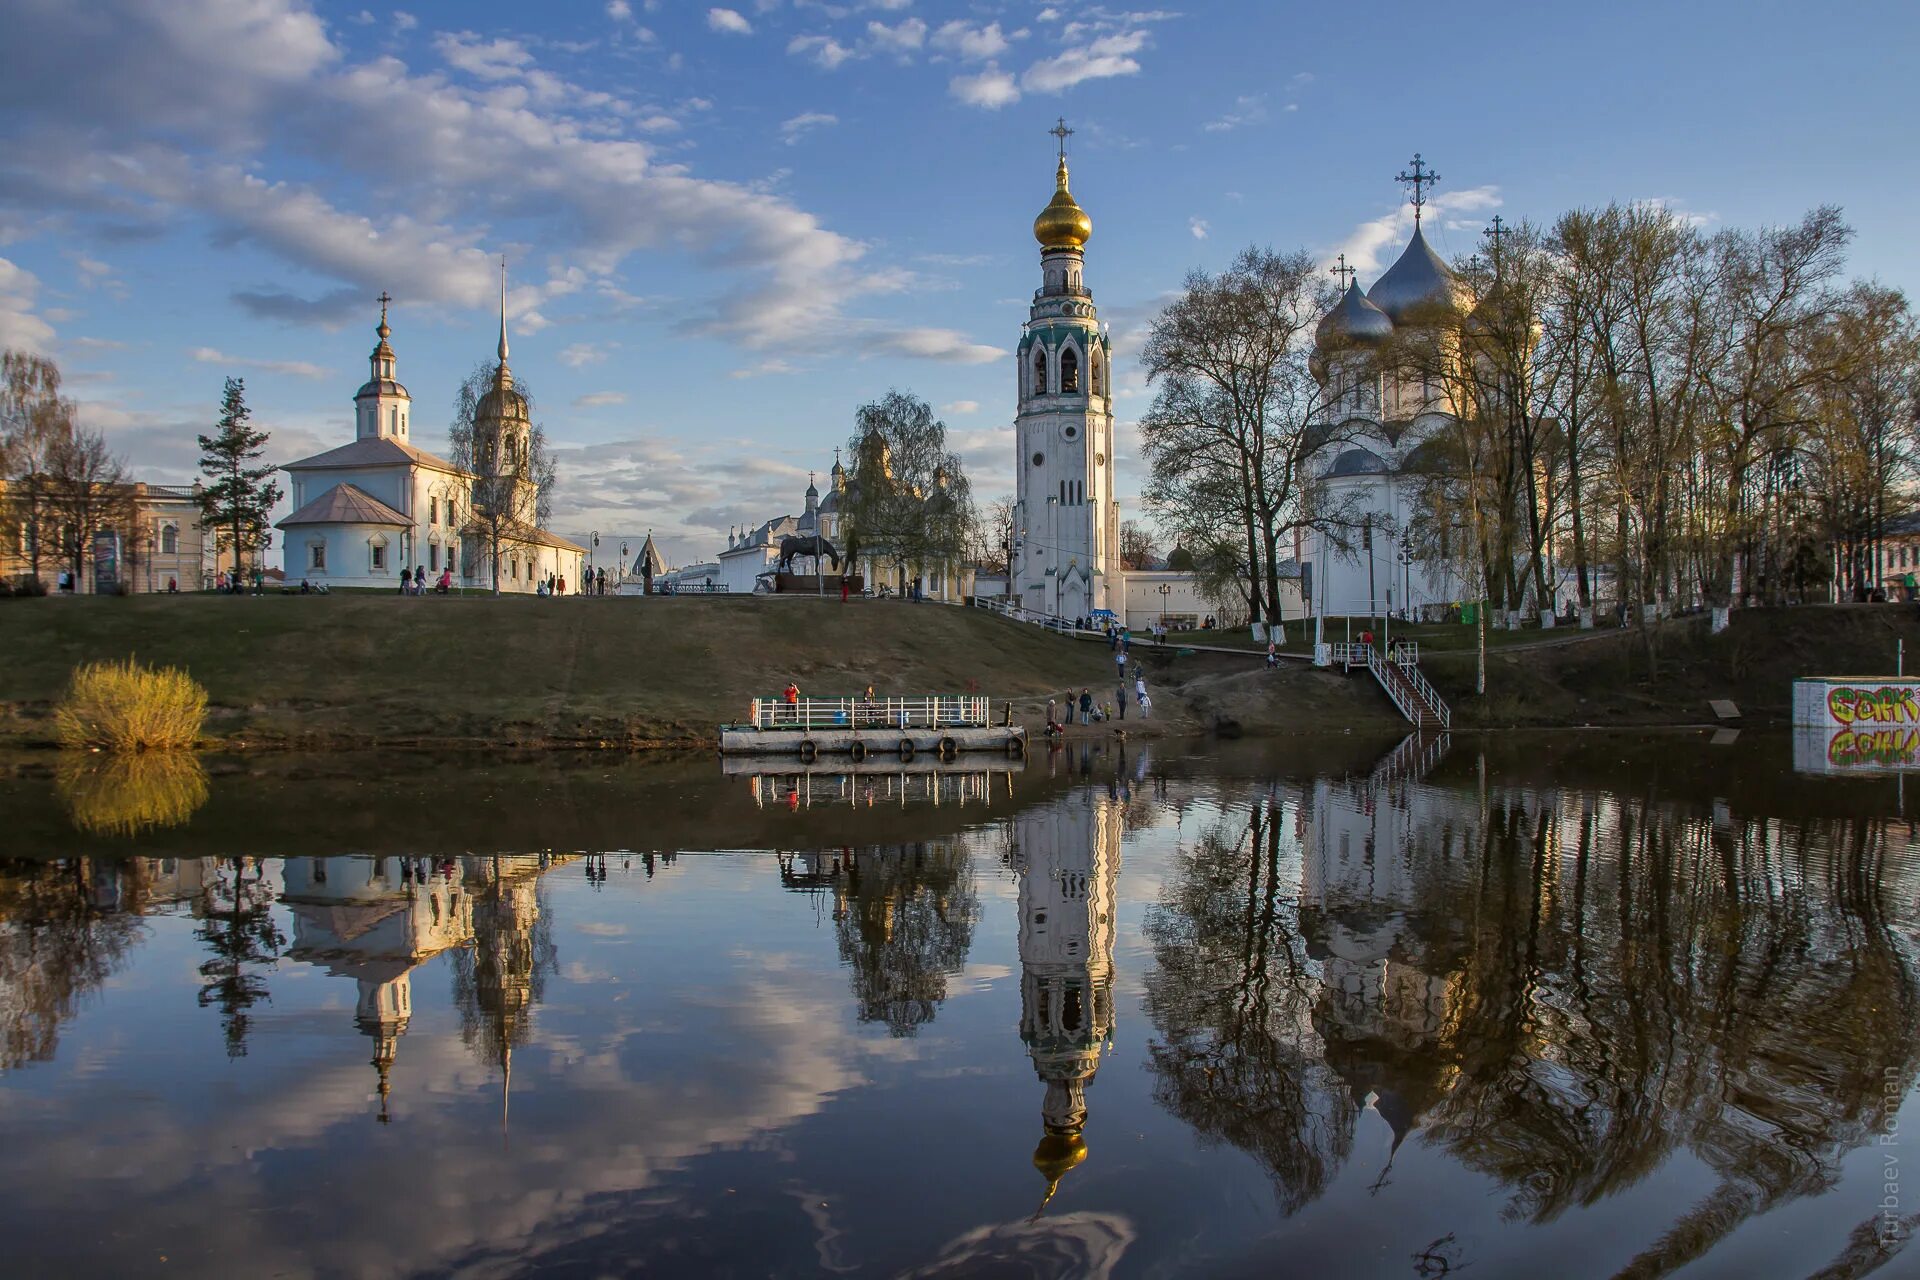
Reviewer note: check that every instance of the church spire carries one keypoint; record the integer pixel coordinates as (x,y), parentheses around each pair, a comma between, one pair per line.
(503,309)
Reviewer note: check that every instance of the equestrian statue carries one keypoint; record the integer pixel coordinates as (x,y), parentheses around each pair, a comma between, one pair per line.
(812,545)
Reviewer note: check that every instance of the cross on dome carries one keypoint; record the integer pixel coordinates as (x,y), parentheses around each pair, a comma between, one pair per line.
(1061,132)
(1344,272)
(1419,179)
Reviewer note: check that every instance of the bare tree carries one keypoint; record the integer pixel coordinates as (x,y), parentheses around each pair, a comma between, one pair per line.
(496,442)
(1238,416)
(88,494)
(34,419)
(1136,546)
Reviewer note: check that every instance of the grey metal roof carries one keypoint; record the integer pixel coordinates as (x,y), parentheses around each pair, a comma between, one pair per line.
(1418,285)
(346,504)
(1353,319)
(372,451)
(381,387)
(1358,462)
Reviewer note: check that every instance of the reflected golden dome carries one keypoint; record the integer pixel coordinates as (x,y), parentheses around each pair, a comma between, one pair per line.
(1058,1153)
(1063,224)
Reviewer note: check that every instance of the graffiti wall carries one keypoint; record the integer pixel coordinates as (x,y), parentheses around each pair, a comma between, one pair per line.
(1856,724)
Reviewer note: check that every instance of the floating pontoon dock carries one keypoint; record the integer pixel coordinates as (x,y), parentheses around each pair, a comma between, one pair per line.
(859,728)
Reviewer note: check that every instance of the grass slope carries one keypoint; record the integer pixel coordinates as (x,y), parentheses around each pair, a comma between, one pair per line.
(340,669)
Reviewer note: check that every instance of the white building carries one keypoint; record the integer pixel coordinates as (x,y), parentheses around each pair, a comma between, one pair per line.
(1381,415)
(1066,523)
(371,508)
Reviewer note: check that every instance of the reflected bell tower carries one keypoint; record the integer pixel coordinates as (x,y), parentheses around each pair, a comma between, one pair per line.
(1067,857)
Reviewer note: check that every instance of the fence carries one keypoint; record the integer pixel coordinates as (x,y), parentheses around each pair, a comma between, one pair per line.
(939,711)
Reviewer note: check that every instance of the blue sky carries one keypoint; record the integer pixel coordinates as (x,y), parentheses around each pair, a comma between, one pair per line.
(729,226)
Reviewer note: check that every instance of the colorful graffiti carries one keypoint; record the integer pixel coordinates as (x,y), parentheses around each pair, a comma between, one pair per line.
(1880,748)
(1882,704)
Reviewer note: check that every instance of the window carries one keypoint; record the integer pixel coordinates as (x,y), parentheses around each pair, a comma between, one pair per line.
(433,511)
(170,540)
(1069,370)
(433,556)
(393,420)
(1095,367)
(317,556)
(379,557)
(451,558)
(513,568)
(1039,459)
(1039,371)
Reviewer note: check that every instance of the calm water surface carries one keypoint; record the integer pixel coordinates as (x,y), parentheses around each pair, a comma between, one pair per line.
(1599,1007)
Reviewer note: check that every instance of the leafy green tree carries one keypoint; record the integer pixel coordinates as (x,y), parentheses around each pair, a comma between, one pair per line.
(908,500)
(238,495)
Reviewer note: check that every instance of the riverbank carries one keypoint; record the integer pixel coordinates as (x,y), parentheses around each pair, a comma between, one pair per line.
(365,671)
(361,672)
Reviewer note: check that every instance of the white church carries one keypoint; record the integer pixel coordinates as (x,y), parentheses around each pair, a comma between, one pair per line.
(378,505)
(1381,420)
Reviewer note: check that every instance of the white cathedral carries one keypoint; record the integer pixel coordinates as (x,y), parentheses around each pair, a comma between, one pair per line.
(371,508)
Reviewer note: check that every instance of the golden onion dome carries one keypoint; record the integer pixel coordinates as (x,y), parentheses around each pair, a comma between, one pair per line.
(1063,224)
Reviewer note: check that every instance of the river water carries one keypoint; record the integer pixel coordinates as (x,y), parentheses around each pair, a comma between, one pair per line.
(1569,1006)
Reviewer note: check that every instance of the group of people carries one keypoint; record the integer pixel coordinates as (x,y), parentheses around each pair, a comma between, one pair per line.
(1092,712)
(414,582)
(233,582)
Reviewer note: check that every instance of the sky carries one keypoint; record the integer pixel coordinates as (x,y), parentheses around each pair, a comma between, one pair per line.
(728,227)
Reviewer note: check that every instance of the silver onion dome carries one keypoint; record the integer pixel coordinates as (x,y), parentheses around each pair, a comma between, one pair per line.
(1418,286)
(1353,319)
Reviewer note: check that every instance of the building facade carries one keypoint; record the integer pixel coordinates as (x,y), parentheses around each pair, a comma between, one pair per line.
(371,508)
(1066,523)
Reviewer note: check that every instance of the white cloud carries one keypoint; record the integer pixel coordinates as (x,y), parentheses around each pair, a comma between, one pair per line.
(581,354)
(971,42)
(291,368)
(1199,228)
(929,344)
(600,400)
(961,406)
(1247,109)
(619,10)
(498,59)
(765,369)
(991,88)
(729,22)
(794,128)
(1368,244)
(1103,57)
(404,21)
(901,39)
(824,50)
(20,328)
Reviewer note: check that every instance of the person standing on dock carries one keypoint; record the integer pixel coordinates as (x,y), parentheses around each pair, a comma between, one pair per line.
(792,694)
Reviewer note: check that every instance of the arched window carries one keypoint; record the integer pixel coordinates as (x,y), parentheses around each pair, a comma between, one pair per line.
(1095,369)
(170,540)
(393,421)
(1069,370)
(1039,371)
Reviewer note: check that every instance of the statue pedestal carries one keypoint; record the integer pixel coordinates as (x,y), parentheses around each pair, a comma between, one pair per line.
(812,584)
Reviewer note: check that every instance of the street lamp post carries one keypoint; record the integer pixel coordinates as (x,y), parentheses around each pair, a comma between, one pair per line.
(593,546)
(1165,591)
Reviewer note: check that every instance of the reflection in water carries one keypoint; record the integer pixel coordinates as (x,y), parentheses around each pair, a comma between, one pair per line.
(1067,856)
(112,794)
(1637,1019)
(904,918)
(1560,989)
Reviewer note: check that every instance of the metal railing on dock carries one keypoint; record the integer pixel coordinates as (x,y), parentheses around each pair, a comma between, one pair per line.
(938,711)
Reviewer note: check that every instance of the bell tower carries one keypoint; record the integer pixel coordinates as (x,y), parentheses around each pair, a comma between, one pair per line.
(1066,526)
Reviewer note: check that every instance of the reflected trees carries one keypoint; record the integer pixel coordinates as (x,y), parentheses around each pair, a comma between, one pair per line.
(239,928)
(904,917)
(63,933)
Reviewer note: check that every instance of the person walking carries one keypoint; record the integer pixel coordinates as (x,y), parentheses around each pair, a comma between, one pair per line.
(1140,692)
(1120,662)
(1120,698)
(1146,707)
(1273,655)
(406,581)
(1086,706)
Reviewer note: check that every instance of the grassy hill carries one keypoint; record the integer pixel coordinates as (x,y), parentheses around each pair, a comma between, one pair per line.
(333,670)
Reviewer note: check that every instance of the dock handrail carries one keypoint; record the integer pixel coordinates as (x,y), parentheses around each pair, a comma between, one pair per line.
(1416,699)
(936,711)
